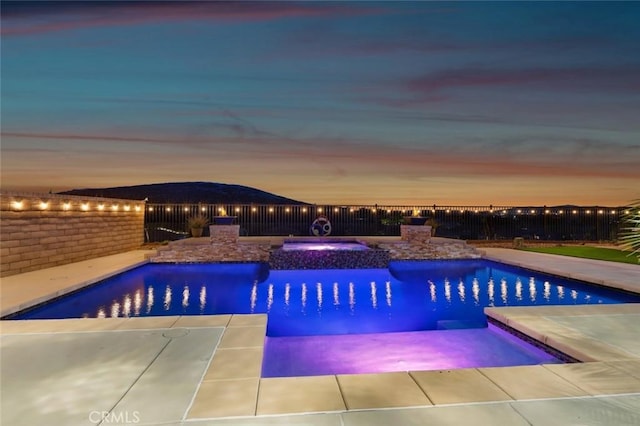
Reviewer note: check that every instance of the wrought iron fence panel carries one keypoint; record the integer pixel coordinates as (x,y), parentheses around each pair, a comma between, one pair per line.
(595,223)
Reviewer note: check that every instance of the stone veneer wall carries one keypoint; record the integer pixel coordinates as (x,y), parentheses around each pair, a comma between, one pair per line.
(224,234)
(415,234)
(66,229)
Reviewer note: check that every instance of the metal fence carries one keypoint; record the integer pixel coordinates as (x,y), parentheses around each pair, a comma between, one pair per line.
(169,221)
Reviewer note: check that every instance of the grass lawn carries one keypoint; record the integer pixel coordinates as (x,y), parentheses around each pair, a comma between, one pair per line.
(599,253)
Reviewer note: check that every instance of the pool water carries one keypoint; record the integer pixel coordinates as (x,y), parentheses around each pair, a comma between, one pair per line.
(408,296)
(414,315)
(315,246)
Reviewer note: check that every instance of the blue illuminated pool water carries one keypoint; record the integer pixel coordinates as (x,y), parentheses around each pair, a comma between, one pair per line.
(415,315)
(409,296)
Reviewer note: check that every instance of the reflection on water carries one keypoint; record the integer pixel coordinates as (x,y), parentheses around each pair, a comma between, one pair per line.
(328,301)
(262,297)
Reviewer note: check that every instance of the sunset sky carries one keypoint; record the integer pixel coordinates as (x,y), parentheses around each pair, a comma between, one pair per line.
(327,102)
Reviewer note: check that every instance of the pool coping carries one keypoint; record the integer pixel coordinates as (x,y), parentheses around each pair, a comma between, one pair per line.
(543,323)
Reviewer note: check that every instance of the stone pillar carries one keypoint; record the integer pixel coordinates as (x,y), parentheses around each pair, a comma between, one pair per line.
(224,234)
(415,234)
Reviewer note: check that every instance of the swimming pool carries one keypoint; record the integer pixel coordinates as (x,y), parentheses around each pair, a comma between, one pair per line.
(407,296)
(411,315)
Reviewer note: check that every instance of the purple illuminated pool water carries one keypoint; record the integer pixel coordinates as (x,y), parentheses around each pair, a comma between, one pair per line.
(423,314)
(332,246)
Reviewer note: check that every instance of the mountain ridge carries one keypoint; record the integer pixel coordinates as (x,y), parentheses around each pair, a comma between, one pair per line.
(187,192)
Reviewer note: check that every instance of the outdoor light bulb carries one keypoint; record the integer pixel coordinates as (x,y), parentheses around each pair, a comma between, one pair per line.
(304,210)
(100,207)
(186,209)
(237,210)
(127,208)
(287,210)
(150,209)
(44,205)
(138,208)
(202,209)
(335,209)
(373,210)
(600,211)
(66,206)
(613,212)
(350,210)
(519,211)
(270,209)
(17,205)
(253,209)
(588,211)
(546,211)
(533,211)
(114,207)
(84,207)
(575,212)
(561,212)
(319,209)
(168,209)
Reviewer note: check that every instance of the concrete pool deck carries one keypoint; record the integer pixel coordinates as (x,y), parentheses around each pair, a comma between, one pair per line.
(206,370)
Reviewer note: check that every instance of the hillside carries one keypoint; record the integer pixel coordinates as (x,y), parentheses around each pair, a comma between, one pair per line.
(187,192)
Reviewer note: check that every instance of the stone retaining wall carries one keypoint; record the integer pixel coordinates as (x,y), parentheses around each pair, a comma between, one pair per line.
(39,231)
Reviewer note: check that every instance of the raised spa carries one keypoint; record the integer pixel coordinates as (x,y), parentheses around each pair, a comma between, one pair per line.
(318,253)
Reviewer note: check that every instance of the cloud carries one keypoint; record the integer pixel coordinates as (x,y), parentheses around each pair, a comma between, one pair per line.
(24,18)
(619,78)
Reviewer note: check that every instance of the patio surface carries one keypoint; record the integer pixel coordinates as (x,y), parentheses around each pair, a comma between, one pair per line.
(206,370)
